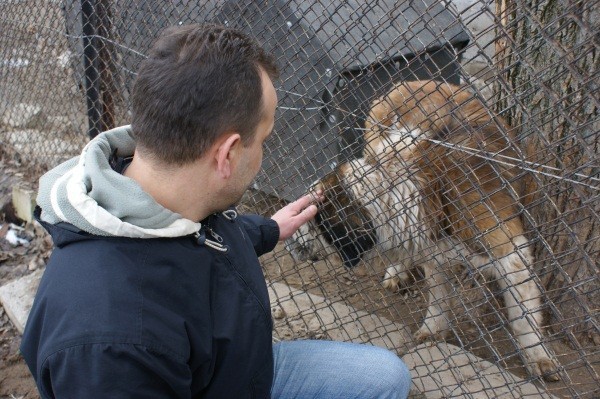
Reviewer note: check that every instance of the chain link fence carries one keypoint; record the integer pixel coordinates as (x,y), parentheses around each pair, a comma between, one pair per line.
(501,150)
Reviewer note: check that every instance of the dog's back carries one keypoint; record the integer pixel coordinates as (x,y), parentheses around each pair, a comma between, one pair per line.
(465,156)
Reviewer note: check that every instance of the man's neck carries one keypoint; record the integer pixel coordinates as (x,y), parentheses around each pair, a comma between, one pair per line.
(185,190)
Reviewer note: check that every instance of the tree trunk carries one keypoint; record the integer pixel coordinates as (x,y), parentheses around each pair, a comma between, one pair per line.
(547,52)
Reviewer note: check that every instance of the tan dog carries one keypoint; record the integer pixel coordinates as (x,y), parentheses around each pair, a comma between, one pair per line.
(435,189)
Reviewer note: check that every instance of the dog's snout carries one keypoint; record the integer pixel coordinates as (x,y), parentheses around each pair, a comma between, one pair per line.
(297,251)
(301,245)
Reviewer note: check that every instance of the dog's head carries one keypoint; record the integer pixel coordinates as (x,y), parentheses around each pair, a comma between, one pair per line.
(342,222)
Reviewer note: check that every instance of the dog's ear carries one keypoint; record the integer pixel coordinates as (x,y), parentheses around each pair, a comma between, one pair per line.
(344,222)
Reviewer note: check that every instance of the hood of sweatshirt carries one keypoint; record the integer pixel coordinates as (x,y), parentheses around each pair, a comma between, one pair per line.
(87,193)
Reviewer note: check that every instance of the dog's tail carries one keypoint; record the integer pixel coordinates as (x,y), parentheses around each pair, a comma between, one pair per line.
(528,185)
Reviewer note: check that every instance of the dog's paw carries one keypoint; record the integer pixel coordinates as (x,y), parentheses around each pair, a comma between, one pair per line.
(428,333)
(545,368)
(422,334)
(540,363)
(395,281)
(425,333)
(391,283)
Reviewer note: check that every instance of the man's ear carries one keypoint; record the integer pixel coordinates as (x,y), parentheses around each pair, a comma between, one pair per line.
(226,153)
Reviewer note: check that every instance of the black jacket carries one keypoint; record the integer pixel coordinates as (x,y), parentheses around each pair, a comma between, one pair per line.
(154,318)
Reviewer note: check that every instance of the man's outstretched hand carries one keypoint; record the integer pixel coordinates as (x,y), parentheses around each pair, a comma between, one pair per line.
(295,214)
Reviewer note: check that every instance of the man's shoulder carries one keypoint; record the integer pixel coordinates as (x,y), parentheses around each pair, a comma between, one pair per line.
(117,292)
(124,273)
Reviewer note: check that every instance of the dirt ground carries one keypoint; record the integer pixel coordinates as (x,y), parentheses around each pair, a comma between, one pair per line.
(15,262)
(477,327)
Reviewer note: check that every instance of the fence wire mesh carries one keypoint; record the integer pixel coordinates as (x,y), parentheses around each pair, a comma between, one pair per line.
(457,143)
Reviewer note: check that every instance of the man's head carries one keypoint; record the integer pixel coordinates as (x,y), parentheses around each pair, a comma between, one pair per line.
(236,163)
(198,83)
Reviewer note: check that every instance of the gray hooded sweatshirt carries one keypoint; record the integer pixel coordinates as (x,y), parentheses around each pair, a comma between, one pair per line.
(87,193)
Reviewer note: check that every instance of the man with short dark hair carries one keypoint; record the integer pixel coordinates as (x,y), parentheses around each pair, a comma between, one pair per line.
(154,287)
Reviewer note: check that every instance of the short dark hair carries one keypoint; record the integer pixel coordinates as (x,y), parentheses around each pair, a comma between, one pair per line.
(198,82)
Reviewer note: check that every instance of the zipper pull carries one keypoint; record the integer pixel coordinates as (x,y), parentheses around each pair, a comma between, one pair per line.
(200,238)
(215,235)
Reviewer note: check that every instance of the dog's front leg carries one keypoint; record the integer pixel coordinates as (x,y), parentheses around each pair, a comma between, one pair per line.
(523,300)
(436,321)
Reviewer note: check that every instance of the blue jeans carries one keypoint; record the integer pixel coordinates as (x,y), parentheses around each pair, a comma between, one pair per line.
(330,369)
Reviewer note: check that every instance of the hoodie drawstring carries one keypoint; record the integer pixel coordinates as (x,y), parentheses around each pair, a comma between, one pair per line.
(230,214)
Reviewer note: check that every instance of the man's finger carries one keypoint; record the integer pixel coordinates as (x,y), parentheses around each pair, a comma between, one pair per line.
(317,196)
(307,214)
(302,202)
